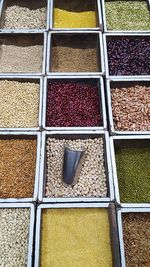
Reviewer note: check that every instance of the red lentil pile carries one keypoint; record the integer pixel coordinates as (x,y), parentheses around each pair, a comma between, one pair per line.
(17,167)
(72,104)
(131,108)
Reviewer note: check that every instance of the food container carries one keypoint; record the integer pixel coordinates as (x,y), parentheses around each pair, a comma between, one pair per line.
(29,79)
(116,36)
(25,135)
(122,83)
(98,12)
(85,79)
(135,190)
(120,213)
(35,38)
(76,135)
(31,229)
(58,36)
(3,6)
(112,219)
(106,30)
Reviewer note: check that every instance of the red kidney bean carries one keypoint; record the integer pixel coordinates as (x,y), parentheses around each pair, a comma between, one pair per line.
(129,56)
(71,104)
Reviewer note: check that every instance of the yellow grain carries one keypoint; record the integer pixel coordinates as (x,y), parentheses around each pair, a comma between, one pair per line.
(75,237)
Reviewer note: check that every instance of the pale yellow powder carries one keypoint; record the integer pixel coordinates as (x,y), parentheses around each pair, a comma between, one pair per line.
(75,238)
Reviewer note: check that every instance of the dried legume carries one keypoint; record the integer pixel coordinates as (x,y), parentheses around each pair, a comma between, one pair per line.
(129,56)
(17,167)
(131,108)
(75,237)
(127,15)
(22,17)
(74,54)
(136,233)
(19,104)
(21,53)
(133,170)
(92,178)
(74,14)
(72,104)
(14,236)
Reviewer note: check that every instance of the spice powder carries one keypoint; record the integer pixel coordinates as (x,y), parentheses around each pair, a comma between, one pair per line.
(75,237)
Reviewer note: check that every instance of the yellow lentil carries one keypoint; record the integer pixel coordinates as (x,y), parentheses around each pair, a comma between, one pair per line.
(75,237)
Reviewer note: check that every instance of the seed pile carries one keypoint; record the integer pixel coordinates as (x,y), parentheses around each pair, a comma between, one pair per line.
(17,17)
(17,168)
(92,178)
(20,54)
(14,236)
(136,233)
(75,237)
(19,104)
(74,14)
(72,104)
(74,54)
(133,170)
(127,15)
(128,56)
(131,108)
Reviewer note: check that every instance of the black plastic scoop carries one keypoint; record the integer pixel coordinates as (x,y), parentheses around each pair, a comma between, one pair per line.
(72,164)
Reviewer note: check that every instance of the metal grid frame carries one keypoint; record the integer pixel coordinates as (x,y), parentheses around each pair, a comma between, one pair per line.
(99,19)
(2,9)
(44,34)
(109,104)
(106,30)
(107,158)
(100,52)
(101,102)
(31,228)
(114,169)
(117,35)
(20,134)
(113,226)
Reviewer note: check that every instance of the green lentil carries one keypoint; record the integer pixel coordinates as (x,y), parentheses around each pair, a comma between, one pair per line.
(127,15)
(133,171)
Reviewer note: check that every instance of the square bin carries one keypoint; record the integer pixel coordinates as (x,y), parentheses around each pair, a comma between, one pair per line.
(21,103)
(74,103)
(128,106)
(76,15)
(127,55)
(19,166)
(121,16)
(134,236)
(17,234)
(24,15)
(22,53)
(131,169)
(75,53)
(76,233)
(94,182)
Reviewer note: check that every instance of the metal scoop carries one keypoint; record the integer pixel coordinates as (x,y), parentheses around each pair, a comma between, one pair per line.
(72,164)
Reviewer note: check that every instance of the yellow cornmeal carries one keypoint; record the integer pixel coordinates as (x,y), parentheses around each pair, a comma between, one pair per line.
(75,238)
(68,19)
